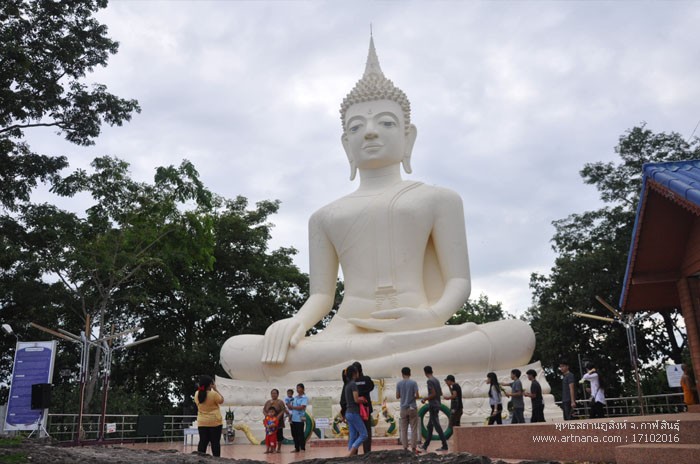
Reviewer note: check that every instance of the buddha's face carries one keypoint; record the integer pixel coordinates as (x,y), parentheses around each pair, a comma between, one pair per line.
(375,135)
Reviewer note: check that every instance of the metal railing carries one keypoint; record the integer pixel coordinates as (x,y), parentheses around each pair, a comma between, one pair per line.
(63,427)
(629,405)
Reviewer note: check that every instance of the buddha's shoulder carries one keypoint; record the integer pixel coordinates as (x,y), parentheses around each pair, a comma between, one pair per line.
(353,202)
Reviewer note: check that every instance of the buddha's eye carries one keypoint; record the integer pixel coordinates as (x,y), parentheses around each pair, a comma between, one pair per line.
(387,124)
(354,128)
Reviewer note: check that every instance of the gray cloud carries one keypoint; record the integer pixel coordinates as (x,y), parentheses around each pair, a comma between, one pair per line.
(510,99)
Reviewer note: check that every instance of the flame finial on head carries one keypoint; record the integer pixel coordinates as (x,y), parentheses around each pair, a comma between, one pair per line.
(372,67)
(375,86)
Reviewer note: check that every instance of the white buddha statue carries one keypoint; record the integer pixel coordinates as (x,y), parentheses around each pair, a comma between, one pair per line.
(403,251)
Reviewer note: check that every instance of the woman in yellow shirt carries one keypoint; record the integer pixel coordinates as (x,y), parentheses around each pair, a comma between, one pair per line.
(209,420)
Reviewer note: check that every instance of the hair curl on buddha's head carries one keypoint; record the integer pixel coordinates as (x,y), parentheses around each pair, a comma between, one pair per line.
(375,86)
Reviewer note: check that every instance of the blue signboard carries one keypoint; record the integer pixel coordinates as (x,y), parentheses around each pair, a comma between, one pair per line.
(33,365)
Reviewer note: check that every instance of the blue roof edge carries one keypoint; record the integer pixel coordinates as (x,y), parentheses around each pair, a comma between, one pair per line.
(673,175)
(632,242)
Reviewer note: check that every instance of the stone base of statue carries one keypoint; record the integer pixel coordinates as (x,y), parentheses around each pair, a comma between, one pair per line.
(247,398)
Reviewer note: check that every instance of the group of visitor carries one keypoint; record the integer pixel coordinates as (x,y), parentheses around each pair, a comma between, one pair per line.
(210,423)
(596,390)
(517,394)
(294,408)
(407,393)
(356,406)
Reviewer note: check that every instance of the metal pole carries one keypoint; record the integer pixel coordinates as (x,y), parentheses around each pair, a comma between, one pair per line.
(84,365)
(105,386)
(632,345)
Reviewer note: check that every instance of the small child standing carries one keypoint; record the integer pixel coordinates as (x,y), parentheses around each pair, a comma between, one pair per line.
(288,401)
(271,422)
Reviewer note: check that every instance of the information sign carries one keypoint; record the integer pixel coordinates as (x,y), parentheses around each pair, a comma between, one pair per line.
(322,407)
(673,375)
(33,365)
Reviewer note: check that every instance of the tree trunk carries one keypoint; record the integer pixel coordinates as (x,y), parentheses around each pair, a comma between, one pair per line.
(92,379)
(676,350)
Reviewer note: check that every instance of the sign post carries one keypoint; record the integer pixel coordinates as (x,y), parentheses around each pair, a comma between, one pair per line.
(322,407)
(33,365)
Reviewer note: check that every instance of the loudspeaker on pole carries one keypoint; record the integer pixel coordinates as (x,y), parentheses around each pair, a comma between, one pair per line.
(41,396)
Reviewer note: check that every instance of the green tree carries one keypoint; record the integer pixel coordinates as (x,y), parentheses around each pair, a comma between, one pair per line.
(592,249)
(46,49)
(480,311)
(248,288)
(124,238)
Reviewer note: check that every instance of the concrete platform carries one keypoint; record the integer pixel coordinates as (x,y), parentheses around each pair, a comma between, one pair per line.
(658,454)
(589,440)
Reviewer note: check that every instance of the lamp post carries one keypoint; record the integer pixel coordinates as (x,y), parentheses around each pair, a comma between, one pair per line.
(104,344)
(628,323)
(8,328)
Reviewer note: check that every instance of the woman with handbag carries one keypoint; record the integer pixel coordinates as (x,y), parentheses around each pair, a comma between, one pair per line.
(358,432)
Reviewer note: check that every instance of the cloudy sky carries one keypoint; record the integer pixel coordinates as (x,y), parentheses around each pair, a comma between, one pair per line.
(511,99)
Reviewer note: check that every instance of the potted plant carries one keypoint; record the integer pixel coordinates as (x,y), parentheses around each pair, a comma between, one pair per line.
(230,433)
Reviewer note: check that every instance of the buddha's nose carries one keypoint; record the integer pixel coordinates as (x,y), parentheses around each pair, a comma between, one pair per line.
(371,134)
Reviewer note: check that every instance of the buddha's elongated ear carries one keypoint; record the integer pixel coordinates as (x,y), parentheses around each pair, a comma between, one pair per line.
(348,153)
(411,135)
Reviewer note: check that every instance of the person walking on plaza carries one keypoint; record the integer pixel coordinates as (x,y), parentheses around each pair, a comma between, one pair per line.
(597,390)
(495,400)
(280,408)
(516,393)
(455,397)
(365,385)
(358,431)
(433,400)
(536,396)
(298,408)
(407,393)
(209,420)
(568,390)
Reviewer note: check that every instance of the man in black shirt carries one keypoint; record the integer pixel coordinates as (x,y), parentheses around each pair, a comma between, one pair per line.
(455,398)
(536,396)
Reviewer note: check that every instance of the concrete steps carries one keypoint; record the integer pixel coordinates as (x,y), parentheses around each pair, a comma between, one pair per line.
(672,438)
(658,454)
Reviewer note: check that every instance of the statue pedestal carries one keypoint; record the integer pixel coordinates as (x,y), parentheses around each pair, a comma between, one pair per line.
(247,398)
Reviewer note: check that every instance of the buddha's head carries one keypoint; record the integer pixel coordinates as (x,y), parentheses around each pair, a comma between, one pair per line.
(376,108)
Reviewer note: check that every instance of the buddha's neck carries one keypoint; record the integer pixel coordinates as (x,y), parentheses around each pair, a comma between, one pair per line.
(377,180)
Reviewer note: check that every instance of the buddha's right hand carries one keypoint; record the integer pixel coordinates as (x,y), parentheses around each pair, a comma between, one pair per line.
(279,337)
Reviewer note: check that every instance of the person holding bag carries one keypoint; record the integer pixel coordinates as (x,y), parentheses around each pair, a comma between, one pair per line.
(358,432)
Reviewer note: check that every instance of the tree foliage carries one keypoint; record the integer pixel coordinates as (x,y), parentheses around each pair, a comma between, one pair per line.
(46,48)
(592,249)
(166,256)
(479,311)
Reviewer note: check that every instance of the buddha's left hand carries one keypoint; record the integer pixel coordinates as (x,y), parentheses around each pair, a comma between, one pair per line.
(399,320)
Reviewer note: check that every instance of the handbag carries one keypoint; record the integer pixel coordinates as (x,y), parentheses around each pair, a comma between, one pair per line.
(364,411)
